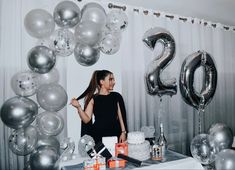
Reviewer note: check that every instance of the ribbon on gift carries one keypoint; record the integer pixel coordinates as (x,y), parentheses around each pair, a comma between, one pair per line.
(94,154)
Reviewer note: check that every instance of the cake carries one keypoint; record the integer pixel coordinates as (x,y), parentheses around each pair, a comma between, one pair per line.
(138,147)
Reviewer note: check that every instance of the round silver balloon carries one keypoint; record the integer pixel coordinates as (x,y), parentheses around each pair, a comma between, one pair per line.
(202,150)
(68,146)
(18,112)
(44,158)
(109,44)
(155,85)
(186,82)
(88,33)
(63,42)
(222,135)
(94,12)
(41,59)
(49,123)
(86,55)
(24,83)
(39,23)
(44,140)
(117,20)
(225,160)
(67,14)
(52,76)
(23,141)
(51,97)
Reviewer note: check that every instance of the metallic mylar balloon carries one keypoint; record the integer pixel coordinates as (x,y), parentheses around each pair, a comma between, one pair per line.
(44,158)
(94,12)
(88,33)
(222,135)
(68,146)
(49,123)
(63,42)
(18,112)
(52,76)
(154,84)
(41,59)
(51,97)
(23,141)
(188,68)
(117,20)
(67,14)
(39,23)
(85,143)
(202,150)
(225,160)
(109,44)
(86,55)
(24,83)
(44,140)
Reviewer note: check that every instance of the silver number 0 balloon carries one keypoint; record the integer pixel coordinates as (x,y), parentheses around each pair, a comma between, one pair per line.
(155,86)
(188,68)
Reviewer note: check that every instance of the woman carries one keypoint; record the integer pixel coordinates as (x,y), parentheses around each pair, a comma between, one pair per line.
(107,106)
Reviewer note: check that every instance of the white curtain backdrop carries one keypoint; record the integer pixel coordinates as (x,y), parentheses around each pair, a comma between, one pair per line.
(190,35)
(131,61)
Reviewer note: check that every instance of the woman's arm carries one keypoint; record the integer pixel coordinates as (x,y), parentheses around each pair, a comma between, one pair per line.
(84,115)
(122,137)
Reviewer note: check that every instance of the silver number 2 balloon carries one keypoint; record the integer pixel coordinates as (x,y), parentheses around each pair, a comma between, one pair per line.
(154,84)
(188,68)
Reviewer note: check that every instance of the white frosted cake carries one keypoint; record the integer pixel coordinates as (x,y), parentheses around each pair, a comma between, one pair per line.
(138,147)
(135,137)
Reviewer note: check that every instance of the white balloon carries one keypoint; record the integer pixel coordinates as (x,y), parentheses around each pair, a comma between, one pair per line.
(39,23)
(117,20)
(51,77)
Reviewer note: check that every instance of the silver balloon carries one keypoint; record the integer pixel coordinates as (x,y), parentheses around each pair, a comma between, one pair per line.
(225,160)
(154,84)
(88,33)
(117,20)
(18,112)
(63,42)
(52,76)
(41,59)
(188,68)
(44,158)
(202,150)
(51,97)
(94,12)
(67,14)
(109,44)
(51,141)
(222,135)
(86,55)
(68,146)
(49,123)
(23,141)
(39,23)
(24,83)
(85,143)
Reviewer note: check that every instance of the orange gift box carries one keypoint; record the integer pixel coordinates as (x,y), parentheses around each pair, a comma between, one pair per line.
(121,148)
(116,163)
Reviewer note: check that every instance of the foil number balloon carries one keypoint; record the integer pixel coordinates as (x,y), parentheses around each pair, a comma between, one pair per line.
(189,66)
(152,77)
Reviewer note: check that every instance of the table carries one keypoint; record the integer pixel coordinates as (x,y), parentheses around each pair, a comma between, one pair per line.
(173,160)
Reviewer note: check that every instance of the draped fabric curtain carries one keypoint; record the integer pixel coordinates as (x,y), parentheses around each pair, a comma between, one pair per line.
(191,35)
(14,46)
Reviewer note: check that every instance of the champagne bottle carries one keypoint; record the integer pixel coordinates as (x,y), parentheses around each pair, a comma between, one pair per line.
(162,141)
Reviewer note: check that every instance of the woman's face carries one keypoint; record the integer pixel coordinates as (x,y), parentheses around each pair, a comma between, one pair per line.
(109,82)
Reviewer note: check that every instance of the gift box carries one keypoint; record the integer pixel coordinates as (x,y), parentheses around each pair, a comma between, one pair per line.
(97,163)
(121,148)
(116,163)
(99,150)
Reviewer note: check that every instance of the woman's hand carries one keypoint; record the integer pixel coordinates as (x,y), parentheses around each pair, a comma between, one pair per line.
(122,137)
(74,102)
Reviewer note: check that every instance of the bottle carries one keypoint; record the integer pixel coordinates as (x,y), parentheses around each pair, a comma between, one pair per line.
(162,141)
(156,152)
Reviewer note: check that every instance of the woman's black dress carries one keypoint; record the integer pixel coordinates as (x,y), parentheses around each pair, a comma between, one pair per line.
(106,121)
